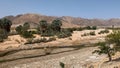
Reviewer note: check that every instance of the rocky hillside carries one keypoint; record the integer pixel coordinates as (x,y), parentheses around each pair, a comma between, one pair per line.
(66,20)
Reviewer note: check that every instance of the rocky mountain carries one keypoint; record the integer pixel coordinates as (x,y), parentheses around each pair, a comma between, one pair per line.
(67,21)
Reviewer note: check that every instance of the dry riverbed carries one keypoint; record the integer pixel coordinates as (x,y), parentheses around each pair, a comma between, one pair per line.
(75,52)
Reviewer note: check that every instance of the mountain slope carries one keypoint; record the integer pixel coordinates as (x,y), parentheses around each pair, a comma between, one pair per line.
(66,20)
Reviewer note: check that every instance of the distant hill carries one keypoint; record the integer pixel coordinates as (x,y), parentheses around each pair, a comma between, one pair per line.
(67,21)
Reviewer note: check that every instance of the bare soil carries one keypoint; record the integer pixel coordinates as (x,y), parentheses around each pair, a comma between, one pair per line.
(75,52)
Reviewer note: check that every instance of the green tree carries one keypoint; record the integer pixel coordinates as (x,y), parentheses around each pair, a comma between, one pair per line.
(19,29)
(56,25)
(43,25)
(105,49)
(27,34)
(5,24)
(23,30)
(26,26)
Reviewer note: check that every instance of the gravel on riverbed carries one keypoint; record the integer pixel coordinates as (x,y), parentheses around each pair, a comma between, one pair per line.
(77,59)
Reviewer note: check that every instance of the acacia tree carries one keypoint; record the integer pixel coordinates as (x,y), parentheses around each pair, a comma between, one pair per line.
(104,48)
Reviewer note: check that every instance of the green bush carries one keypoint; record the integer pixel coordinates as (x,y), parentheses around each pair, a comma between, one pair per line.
(90,27)
(79,29)
(27,34)
(62,65)
(61,35)
(92,33)
(68,29)
(19,29)
(85,34)
(64,34)
(47,34)
(87,27)
(94,27)
(104,31)
(34,32)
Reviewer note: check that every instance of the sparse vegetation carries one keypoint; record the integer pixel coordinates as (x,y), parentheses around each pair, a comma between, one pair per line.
(111,45)
(85,34)
(88,34)
(90,27)
(32,40)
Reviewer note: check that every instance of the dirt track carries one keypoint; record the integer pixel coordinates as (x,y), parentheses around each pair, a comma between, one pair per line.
(74,58)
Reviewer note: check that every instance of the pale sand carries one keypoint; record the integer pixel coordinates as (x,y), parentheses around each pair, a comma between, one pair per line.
(16,40)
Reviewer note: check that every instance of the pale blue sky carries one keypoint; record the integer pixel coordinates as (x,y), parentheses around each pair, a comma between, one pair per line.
(104,9)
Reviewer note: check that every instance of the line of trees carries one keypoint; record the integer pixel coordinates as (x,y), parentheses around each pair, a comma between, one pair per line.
(50,29)
(44,29)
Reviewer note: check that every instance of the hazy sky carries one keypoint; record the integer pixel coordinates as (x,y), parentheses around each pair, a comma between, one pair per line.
(104,9)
